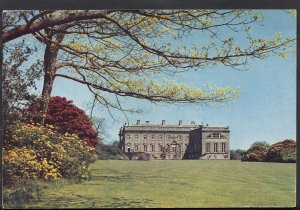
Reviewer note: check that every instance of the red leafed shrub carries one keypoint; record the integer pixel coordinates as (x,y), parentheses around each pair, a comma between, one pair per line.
(255,156)
(67,118)
(283,151)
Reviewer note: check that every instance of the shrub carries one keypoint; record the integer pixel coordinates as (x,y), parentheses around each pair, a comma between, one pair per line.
(255,156)
(37,152)
(23,192)
(67,118)
(283,151)
(143,156)
(237,154)
(106,152)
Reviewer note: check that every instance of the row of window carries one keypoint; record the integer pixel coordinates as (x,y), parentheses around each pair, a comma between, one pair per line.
(207,147)
(216,135)
(159,137)
(176,148)
(213,135)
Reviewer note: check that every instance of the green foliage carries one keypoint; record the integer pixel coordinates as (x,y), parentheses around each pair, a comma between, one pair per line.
(107,152)
(24,192)
(36,152)
(20,195)
(237,154)
(258,146)
(256,152)
(18,82)
(283,151)
(143,156)
(123,47)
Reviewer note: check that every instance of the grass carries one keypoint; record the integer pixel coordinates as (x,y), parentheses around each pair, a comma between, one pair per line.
(177,183)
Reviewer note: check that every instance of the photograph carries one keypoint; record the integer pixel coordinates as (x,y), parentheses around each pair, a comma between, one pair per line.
(149,108)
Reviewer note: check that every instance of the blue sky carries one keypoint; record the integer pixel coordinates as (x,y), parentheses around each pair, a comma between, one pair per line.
(266,109)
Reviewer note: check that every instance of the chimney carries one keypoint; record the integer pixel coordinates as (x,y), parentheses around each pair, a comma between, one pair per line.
(147,122)
(163,122)
(138,122)
(193,122)
(180,122)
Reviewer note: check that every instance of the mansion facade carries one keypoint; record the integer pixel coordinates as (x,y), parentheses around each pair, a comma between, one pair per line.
(179,141)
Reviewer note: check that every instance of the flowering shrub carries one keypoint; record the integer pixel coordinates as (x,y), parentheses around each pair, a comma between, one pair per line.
(283,151)
(37,152)
(66,118)
(255,156)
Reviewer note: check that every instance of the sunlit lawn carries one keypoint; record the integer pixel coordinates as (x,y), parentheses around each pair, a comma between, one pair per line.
(188,183)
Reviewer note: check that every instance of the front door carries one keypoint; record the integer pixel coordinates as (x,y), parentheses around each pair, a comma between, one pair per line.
(128,149)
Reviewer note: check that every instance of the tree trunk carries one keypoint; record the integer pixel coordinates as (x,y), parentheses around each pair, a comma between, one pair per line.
(50,56)
(50,70)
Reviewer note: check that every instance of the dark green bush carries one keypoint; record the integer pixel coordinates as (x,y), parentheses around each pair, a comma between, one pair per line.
(258,146)
(237,154)
(25,192)
(106,152)
(143,156)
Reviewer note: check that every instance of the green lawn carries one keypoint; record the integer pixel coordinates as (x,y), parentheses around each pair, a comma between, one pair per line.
(178,183)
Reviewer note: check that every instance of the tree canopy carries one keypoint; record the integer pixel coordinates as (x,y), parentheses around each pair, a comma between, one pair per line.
(125,53)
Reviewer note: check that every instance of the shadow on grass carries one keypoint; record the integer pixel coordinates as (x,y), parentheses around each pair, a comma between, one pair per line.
(80,201)
(129,203)
(77,201)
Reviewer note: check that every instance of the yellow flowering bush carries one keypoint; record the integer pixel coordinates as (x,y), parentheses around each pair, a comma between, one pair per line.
(38,152)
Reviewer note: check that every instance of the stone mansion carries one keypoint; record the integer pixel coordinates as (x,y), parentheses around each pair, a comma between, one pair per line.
(163,141)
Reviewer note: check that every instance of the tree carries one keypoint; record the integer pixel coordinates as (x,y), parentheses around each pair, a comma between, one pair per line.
(256,152)
(18,81)
(106,151)
(67,118)
(237,154)
(118,51)
(258,146)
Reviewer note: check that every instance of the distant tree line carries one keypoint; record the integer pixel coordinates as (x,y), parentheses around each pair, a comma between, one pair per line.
(261,151)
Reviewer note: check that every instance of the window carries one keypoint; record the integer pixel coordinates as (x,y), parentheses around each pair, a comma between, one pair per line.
(153,147)
(136,136)
(160,136)
(207,147)
(215,147)
(145,136)
(216,135)
(145,148)
(153,136)
(128,136)
(174,148)
(179,137)
(136,147)
(160,148)
(168,148)
(169,137)
(179,148)
(223,147)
